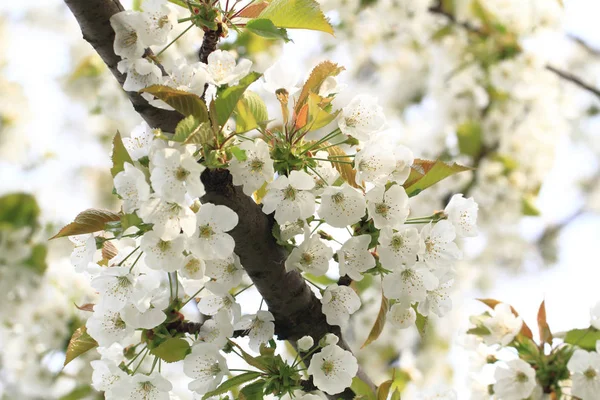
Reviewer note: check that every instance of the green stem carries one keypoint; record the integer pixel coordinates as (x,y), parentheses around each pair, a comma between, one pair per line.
(241,291)
(193,296)
(141,361)
(339,162)
(135,262)
(129,255)
(174,40)
(136,356)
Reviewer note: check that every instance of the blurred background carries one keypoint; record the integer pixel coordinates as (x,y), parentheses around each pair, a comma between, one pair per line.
(532,135)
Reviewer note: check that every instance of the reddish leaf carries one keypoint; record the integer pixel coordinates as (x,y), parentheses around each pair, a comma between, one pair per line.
(86,307)
(88,221)
(545,332)
(379,322)
(253,10)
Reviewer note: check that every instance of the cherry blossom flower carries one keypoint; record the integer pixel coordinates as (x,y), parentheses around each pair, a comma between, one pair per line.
(116,286)
(141,73)
(402,316)
(190,78)
(106,375)
(325,173)
(332,369)
(212,242)
(260,328)
(128,42)
(107,327)
(339,302)
(206,366)
(223,69)
(140,386)
(213,304)
(226,273)
(173,173)
(305,343)
(159,21)
(409,284)
(401,247)
(362,117)
(354,257)
(585,374)
(311,256)
(374,163)
(168,219)
(462,213)
(404,160)
(255,170)
(440,250)
(281,75)
(165,255)
(83,252)
(193,267)
(217,330)
(139,141)
(516,381)
(387,207)
(342,206)
(290,197)
(503,325)
(131,185)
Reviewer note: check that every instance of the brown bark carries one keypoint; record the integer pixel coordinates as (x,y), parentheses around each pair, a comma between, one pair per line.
(296,309)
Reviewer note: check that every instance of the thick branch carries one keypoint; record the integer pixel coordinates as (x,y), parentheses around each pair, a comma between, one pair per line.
(93,17)
(296,309)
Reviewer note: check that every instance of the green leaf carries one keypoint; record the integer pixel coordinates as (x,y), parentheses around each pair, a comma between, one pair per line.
(469,135)
(80,343)
(361,389)
(421,323)
(250,112)
(80,392)
(317,76)
(129,220)
(528,207)
(203,134)
(119,155)
(425,173)
(379,322)
(479,331)
(185,103)
(384,390)
(19,210)
(228,98)
(253,391)
(583,338)
(172,350)
(317,116)
(37,259)
(185,128)
(238,153)
(297,14)
(232,383)
(265,28)
(88,221)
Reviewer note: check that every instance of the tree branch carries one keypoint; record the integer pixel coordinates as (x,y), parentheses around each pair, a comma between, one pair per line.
(296,309)
(574,79)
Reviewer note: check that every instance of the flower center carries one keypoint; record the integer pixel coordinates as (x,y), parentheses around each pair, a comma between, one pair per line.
(521,377)
(130,39)
(289,193)
(231,269)
(327,367)
(206,231)
(256,165)
(338,198)
(306,259)
(146,386)
(215,369)
(123,281)
(162,21)
(181,174)
(193,265)
(590,373)
(397,242)
(382,209)
(163,245)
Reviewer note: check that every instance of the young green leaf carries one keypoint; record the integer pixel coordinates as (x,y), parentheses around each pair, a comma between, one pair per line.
(362,389)
(37,260)
(119,155)
(185,127)
(228,98)
(265,28)
(80,343)
(231,383)
(469,135)
(238,153)
(379,322)
(297,14)
(253,391)
(172,350)
(18,210)
(422,323)
(185,103)
(583,338)
(317,76)
(88,221)
(250,112)
(424,174)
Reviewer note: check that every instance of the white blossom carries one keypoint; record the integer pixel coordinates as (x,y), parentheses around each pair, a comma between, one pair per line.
(332,369)
(354,257)
(128,42)
(324,174)
(255,170)
(107,327)
(440,249)
(213,304)
(217,329)
(305,343)
(290,197)
(131,185)
(281,75)
(402,316)
(338,303)
(387,207)
(260,328)
(374,163)
(585,374)
(187,77)
(83,253)
(409,284)
(116,286)
(173,173)
(143,387)
(516,382)
(165,255)
(400,247)
(168,219)
(462,213)
(106,375)
(342,206)
(223,69)
(311,256)
(193,267)
(438,300)
(206,366)
(139,141)
(404,160)
(503,325)
(362,117)
(158,22)
(212,242)
(141,73)
(227,274)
